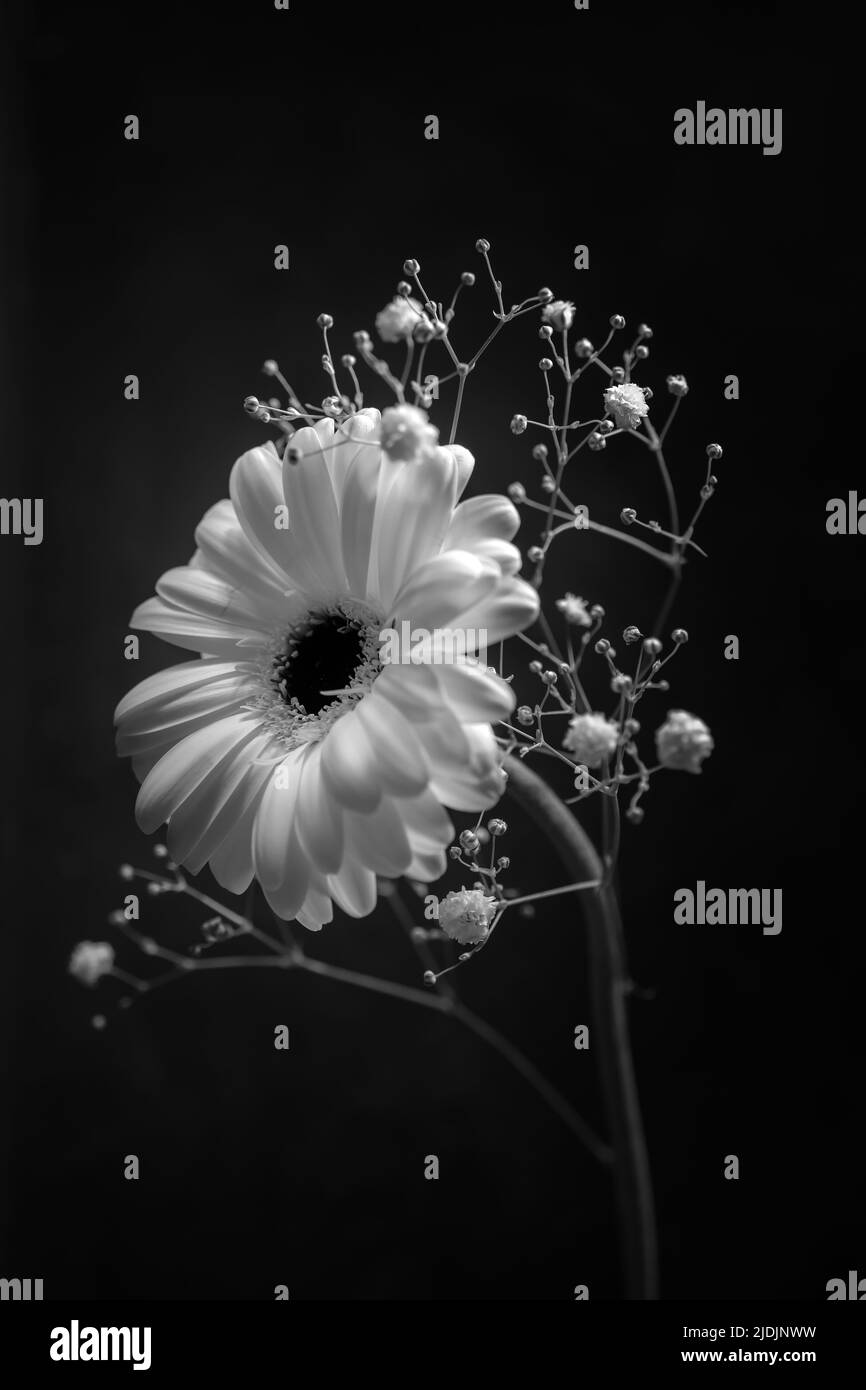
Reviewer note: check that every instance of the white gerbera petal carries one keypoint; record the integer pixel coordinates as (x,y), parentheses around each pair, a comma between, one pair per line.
(480,519)
(415,519)
(226,550)
(473,694)
(183,767)
(314,548)
(320,817)
(202,821)
(360,494)
(191,630)
(354,888)
(511,607)
(445,587)
(275,819)
(349,765)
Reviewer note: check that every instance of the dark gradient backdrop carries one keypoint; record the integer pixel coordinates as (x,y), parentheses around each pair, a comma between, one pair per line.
(156,258)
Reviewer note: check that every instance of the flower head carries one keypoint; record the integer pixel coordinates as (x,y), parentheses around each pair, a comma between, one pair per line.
(407,434)
(683,741)
(286,750)
(591,738)
(574,610)
(559,313)
(466,915)
(626,404)
(90,961)
(399,320)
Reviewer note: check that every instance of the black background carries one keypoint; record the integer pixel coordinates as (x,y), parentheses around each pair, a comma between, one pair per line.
(261,127)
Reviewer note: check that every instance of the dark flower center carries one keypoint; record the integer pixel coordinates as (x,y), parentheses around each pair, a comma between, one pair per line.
(322,653)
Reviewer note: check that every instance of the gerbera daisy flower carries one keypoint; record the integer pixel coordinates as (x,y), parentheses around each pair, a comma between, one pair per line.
(288,750)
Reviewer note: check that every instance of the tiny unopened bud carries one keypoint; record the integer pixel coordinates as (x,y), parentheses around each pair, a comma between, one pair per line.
(518,424)
(126,871)
(641,352)
(361,339)
(469,842)
(497,826)
(545,332)
(517,492)
(545,295)
(325,321)
(628,516)
(429,977)
(539,453)
(482,246)
(679,636)
(617,321)
(714,451)
(270,367)
(411,266)
(602,646)
(525,716)
(251,404)
(677,385)
(631,634)
(467,278)
(644,330)
(583,348)
(404,288)
(634,814)
(596,612)
(596,442)
(621,684)
(545,365)
(535,554)
(652,646)
(348,360)
(617,376)
(535,667)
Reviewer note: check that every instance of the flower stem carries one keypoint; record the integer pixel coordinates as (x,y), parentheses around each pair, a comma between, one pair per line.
(610,987)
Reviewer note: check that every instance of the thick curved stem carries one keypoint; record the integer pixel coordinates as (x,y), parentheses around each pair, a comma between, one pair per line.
(610,987)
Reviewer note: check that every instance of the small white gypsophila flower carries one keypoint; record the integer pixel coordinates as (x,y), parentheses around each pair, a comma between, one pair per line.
(591,738)
(91,960)
(574,610)
(626,404)
(407,434)
(466,915)
(399,319)
(683,741)
(559,314)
